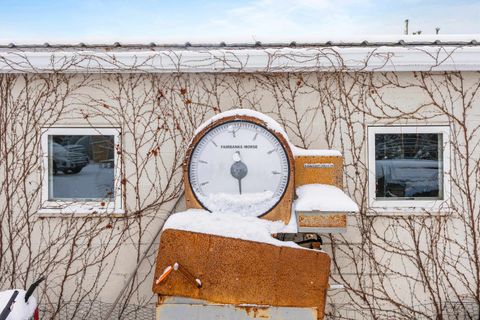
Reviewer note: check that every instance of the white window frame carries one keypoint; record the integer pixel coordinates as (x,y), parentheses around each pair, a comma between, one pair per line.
(402,206)
(62,207)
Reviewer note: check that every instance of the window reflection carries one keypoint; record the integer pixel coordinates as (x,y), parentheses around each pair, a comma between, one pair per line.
(409,166)
(81,167)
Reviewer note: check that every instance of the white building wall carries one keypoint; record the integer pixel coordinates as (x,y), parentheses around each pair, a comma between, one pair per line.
(403,261)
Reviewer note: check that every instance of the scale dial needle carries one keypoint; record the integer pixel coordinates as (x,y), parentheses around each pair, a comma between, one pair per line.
(238,170)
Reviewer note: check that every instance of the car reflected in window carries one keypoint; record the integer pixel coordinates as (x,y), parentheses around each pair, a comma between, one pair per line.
(81,167)
(408,166)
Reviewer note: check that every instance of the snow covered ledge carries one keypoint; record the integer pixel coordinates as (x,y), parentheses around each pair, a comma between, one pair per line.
(324,198)
(323,205)
(232,225)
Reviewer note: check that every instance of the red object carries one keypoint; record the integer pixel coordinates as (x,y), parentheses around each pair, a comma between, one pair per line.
(35,314)
(165,273)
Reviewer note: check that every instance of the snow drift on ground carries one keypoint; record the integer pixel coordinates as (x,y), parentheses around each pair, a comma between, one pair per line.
(323,197)
(20,309)
(229,225)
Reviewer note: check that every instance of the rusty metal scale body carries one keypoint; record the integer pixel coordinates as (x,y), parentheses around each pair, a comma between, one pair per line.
(247,154)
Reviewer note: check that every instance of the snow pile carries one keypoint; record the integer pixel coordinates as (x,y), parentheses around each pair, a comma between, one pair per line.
(229,225)
(246,204)
(292,226)
(20,309)
(314,152)
(322,197)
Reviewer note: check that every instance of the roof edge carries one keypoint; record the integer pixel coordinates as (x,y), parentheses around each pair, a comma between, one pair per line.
(319,41)
(282,59)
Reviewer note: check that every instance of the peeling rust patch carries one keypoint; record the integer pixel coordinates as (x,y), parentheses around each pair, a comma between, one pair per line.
(323,220)
(239,272)
(256,312)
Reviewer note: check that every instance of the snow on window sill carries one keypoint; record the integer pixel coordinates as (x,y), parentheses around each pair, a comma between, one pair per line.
(410,208)
(80,210)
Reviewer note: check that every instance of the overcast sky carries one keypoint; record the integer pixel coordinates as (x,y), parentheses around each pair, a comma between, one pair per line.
(234,20)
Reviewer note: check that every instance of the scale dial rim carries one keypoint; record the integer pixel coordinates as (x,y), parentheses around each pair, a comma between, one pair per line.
(273,133)
(283,208)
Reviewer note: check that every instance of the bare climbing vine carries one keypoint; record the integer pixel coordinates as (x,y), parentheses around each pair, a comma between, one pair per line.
(408,265)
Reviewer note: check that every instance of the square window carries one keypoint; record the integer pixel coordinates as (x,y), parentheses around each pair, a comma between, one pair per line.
(80,170)
(408,167)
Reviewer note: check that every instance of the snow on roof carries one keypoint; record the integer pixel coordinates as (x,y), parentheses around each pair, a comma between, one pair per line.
(322,197)
(230,225)
(376,54)
(368,40)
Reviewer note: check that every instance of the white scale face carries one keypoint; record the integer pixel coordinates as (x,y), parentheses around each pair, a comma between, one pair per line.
(239,167)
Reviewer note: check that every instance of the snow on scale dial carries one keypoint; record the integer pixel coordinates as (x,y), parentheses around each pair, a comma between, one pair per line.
(239,166)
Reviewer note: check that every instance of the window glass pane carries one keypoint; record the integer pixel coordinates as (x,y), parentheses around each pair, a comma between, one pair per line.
(409,166)
(81,167)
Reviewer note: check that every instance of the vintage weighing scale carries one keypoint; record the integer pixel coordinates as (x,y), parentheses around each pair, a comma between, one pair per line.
(242,162)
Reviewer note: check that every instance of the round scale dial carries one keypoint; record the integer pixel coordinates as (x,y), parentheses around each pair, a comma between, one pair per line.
(239,166)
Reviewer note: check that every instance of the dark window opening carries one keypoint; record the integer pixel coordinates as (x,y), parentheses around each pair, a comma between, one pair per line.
(409,166)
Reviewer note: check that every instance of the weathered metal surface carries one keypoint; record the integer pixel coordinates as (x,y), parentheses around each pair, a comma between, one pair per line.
(283,208)
(313,219)
(319,169)
(323,170)
(236,271)
(177,308)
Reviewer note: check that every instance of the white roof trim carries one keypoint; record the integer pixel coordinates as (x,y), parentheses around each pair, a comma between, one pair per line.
(209,41)
(383,58)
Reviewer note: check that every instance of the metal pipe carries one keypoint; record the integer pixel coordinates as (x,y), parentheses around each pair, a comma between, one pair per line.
(197,282)
(145,253)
